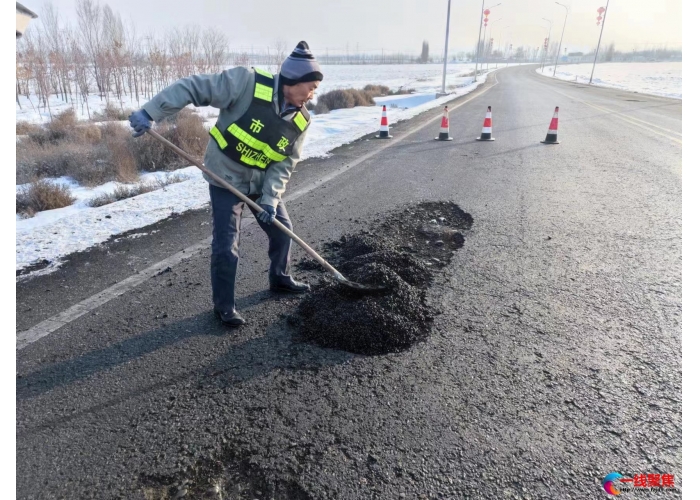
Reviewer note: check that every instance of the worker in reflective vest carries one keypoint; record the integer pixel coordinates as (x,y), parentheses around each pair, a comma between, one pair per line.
(254,145)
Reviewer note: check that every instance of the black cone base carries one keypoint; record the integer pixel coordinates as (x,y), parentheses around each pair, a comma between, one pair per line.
(550,139)
(485,137)
(383,135)
(443,137)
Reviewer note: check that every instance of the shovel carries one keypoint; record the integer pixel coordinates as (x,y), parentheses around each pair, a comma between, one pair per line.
(256,208)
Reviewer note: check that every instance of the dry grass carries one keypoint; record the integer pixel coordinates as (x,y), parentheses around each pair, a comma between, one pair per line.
(344,98)
(124,192)
(26,128)
(80,161)
(321,108)
(111,113)
(42,195)
(377,90)
(185,130)
(93,154)
(121,162)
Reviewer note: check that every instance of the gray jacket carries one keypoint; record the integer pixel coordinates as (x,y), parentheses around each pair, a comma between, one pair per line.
(232,92)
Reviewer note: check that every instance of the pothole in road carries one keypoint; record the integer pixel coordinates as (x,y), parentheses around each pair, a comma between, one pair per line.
(405,251)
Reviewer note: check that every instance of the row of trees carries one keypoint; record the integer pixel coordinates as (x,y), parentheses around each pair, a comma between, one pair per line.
(104,55)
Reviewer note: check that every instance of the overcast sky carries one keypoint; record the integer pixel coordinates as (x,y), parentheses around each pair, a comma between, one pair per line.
(395,25)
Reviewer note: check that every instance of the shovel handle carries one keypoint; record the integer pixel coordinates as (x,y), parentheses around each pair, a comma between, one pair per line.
(253,206)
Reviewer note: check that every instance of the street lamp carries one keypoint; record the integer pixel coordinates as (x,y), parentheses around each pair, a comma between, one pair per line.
(478,48)
(546,47)
(485,12)
(561,40)
(601,11)
(500,37)
(447,37)
(488,54)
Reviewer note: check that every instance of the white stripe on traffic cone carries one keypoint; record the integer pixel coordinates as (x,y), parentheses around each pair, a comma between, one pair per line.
(384,126)
(444,127)
(486,129)
(553,127)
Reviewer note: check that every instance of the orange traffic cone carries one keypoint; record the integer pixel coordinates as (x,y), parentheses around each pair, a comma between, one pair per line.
(486,130)
(384,126)
(444,127)
(553,126)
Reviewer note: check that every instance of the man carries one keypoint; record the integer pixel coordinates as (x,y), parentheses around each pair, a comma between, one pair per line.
(255,145)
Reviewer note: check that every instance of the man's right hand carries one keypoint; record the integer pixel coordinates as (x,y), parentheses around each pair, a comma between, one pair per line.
(267,214)
(140,121)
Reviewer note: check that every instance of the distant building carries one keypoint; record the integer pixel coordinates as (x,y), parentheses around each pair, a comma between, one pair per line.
(575,57)
(24,15)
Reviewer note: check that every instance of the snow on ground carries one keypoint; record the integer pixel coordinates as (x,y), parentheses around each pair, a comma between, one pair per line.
(656,78)
(52,234)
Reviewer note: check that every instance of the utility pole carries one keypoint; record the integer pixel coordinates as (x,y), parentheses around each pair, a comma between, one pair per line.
(599,39)
(545,48)
(478,40)
(488,53)
(561,40)
(447,38)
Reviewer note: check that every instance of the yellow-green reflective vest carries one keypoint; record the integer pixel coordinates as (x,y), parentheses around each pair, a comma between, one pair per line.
(260,136)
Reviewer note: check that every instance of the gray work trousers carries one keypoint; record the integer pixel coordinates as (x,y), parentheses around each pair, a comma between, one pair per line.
(227,210)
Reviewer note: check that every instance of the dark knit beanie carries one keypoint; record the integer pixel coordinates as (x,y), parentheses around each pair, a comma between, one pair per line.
(300,66)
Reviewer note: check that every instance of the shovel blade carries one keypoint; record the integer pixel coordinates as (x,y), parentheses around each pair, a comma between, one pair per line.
(359,287)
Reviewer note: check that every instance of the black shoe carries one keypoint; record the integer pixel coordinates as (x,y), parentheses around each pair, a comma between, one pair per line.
(230,318)
(289,286)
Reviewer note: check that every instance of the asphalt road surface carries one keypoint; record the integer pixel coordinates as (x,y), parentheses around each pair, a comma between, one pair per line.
(555,361)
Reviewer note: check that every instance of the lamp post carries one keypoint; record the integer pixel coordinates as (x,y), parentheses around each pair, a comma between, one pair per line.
(545,48)
(486,13)
(561,40)
(447,37)
(601,10)
(488,54)
(478,41)
(500,37)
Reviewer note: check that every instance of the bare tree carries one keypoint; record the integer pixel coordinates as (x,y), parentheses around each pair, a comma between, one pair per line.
(280,54)
(114,46)
(214,47)
(133,60)
(191,38)
(81,64)
(90,26)
(425,52)
(57,51)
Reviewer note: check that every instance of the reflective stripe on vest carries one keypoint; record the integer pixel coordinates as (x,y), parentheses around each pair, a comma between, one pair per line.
(218,137)
(300,121)
(251,141)
(263,92)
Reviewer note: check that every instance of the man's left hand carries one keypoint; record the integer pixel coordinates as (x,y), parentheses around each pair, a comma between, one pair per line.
(267,215)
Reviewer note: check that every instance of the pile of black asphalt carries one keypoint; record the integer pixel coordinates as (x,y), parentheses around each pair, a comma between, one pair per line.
(404,253)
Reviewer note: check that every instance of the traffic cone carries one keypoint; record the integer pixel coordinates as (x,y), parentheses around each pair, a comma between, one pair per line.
(553,126)
(486,130)
(444,127)
(384,126)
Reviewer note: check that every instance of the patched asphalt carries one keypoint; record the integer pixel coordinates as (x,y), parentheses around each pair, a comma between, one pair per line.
(555,358)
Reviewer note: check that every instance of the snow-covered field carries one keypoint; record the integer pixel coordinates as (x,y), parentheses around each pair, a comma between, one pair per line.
(421,77)
(52,234)
(656,78)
